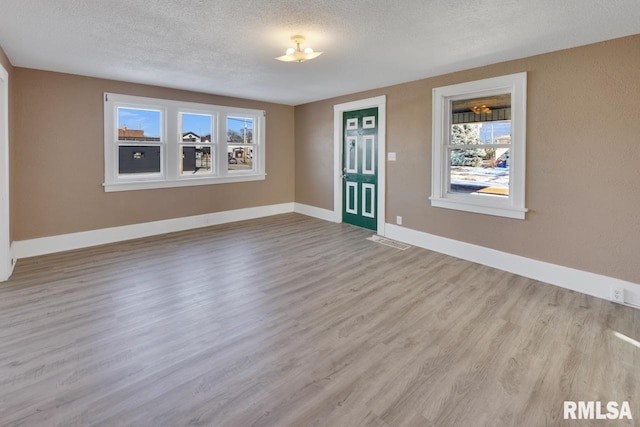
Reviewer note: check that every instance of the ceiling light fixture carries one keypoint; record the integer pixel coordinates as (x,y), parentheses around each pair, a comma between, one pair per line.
(481,109)
(296,54)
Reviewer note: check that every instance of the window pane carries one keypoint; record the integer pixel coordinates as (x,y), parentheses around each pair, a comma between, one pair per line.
(240,130)
(498,132)
(485,109)
(142,159)
(196,160)
(478,168)
(196,127)
(239,157)
(138,125)
(482,170)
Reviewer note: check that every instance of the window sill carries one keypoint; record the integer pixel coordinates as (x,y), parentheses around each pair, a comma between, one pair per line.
(183,182)
(461,205)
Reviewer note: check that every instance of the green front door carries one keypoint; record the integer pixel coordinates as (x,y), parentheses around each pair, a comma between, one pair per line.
(360,168)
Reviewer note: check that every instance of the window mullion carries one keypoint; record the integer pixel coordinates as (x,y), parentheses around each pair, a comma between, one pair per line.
(222,145)
(171,143)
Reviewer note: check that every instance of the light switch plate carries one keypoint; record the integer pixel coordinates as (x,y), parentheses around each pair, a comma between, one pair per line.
(391,156)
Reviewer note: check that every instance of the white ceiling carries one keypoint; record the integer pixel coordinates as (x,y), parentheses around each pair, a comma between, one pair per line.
(228,47)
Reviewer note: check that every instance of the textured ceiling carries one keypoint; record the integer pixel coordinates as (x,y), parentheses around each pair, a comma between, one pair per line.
(228,47)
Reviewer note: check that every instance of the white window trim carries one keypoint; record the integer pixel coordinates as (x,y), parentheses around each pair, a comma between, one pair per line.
(6,260)
(170,144)
(514,205)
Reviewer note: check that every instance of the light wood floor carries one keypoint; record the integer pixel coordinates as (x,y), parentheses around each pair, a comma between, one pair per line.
(292,321)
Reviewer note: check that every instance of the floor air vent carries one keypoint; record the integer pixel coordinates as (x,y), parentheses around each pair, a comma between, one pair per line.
(388,242)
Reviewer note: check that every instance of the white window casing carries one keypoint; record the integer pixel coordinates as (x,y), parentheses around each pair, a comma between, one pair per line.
(512,206)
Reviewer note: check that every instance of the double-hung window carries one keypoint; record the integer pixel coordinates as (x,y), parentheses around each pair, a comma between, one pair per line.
(197,144)
(479,148)
(157,143)
(241,145)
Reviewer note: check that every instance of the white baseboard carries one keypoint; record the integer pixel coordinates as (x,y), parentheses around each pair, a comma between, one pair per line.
(577,280)
(315,212)
(84,239)
(6,272)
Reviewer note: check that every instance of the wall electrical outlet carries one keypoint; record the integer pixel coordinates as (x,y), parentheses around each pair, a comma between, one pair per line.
(399,220)
(617,294)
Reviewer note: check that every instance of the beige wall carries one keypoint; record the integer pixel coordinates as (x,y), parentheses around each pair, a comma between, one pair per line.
(583,159)
(58,166)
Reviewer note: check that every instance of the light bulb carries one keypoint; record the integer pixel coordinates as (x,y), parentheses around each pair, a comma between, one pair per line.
(308,50)
(290,51)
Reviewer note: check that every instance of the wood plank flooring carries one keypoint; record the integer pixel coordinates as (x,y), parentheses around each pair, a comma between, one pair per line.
(292,321)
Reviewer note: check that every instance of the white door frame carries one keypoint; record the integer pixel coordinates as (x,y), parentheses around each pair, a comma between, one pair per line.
(338,110)
(6,264)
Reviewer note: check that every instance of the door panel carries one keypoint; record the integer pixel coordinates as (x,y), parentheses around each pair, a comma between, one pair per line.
(368,200)
(351,205)
(351,154)
(360,168)
(368,152)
